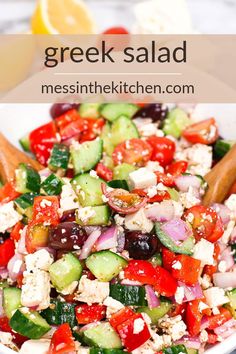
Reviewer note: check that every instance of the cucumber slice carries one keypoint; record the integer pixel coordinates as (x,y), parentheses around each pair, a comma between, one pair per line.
(111,111)
(232,302)
(64,271)
(156,313)
(103,336)
(11,300)
(123,129)
(52,185)
(89,110)
(108,162)
(176,121)
(118,183)
(27,179)
(24,203)
(174,194)
(106,136)
(106,351)
(25,143)
(60,312)
(221,147)
(87,155)
(59,157)
(105,265)
(88,189)
(191,351)
(122,171)
(156,260)
(29,323)
(175,349)
(185,248)
(100,216)
(129,295)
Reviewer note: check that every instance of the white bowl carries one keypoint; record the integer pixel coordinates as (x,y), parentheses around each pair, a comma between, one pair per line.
(18,119)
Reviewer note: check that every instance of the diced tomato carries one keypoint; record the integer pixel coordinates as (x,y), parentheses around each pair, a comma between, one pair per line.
(18,339)
(159,197)
(62,341)
(16,231)
(65,119)
(130,339)
(177,168)
(141,271)
(121,316)
(212,269)
(37,235)
(90,313)
(189,271)
(193,317)
(168,258)
(217,320)
(178,309)
(19,280)
(204,132)
(166,179)
(163,149)
(133,151)
(116,30)
(8,193)
(42,140)
(165,284)
(45,210)
(205,223)
(212,338)
(7,251)
(73,129)
(104,172)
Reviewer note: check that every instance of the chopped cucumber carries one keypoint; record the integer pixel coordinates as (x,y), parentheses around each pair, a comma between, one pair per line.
(112,111)
(191,351)
(106,136)
(59,157)
(24,203)
(156,259)
(108,162)
(156,313)
(52,185)
(60,312)
(175,349)
(106,351)
(64,271)
(123,129)
(103,336)
(185,248)
(118,183)
(123,170)
(11,300)
(232,301)
(25,143)
(100,216)
(27,179)
(174,194)
(105,265)
(129,295)
(221,147)
(29,323)
(176,121)
(88,189)
(90,110)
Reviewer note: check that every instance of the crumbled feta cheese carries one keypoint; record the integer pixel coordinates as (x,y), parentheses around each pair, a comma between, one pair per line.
(113,306)
(8,216)
(227,233)
(92,291)
(138,325)
(203,336)
(68,199)
(179,295)
(17,266)
(222,266)
(6,338)
(189,198)
(174,326)
(215,311)
(231,204)
(215,297)
(138,221)
(205,281)
(202,306)
(70,289)
(86,213)
(204,251)
(39,260)
(119,220)
(39,346)
(176,265)
(44,203)
(178,208)
(142,178)
(93,174)
(151,191)
(154,166)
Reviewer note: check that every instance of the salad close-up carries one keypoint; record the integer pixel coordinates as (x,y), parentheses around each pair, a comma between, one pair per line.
(108,246)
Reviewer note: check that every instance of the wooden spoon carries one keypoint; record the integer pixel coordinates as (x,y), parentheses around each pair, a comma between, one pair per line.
(10,157)
(221,178)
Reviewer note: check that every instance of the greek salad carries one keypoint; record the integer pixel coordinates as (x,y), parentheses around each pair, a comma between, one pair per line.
(108,249)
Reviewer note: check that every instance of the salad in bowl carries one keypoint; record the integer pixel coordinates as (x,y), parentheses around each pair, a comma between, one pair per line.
(109,249)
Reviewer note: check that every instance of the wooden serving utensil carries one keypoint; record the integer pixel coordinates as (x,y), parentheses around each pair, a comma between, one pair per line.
(221,178)
(10,157)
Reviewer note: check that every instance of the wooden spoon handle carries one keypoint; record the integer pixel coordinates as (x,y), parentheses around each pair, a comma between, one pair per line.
(221,178)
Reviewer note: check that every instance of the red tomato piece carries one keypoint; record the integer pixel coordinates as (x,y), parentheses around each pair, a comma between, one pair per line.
(159,197)
(212,269)
(165,284)
(189,271)
(104,172)
(18,339)
(116,30)
(130,339)
(168,258)
(45,210)
(90,313)
(16,231)
(218,320)
(178,310)
(177,168)
(7,251)
(205,223)
(8,193)
(62,340)
(141,271)
(133,151)
(163,149)
(65,119)
(212,338)
(204,132)
(36,236)
(73,129)
(193,317)
(166,179)
(121,316)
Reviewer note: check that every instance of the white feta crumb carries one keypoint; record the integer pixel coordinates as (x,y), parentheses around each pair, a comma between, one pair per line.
(38,260)
(176,265)
(86,213)
(138,221)
(204,251)
(119,220)
(93,174)
(154,166)
(222,266)
(92,291)
(8,216)
(44,203)
(113,306)
(6,338)
(142,178)
(189,198)
(203,336)
(205,281)
(173,326)
(231,204)
(68,199)
(202,306)
(179,295)
(215,311)
(138,325)
(151,191)
(215,297)
(39,346)
(70,289)
(178,208)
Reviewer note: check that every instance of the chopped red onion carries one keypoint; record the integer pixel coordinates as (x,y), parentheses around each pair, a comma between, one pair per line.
(191,292)
(120,240)
(21,248)
(108,239)
(15,266)
(89,243)
(161,212)
(183,182)
(3,273)
(190,342)
(225,330)
(225,280)
(130,282)
(227,257)
(73,139)
(45,172)
(204,323)
(152,299)
(177,230)
(223,211)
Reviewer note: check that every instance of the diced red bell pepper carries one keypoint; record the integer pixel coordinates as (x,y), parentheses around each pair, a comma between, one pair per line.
(166,179)
(7,251)
(8,193)
(45,210)
(62,341)
(212,338)
(90,313)
(104,172)
(121,316)
(165,284)
(37,236)
(16,231)
(168,258)
(131,337)
(178,309)
(177,168)
(212,269)
(193,317)
(218,320)
(189,271)
(141,271)
(18,339)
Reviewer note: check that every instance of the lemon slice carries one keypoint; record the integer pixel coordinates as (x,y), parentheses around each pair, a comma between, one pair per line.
(62,17)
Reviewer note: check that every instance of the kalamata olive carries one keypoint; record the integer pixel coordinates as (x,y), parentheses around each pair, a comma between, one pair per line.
(67,236)
(156,111)
(140,246)
(68,215)
(58,109)
(4,237)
